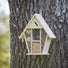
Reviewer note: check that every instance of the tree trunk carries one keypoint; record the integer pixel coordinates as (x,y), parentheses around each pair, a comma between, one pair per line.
(55,12)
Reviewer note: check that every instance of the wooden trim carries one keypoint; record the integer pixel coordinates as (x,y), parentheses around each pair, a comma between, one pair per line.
(27,45)
(42,22)
(40,40)
(21,36)
(35,27)
(45,26)
(37,54)
(47,44)
(35,40)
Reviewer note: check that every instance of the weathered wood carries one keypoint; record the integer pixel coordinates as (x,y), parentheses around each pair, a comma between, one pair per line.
(35,47)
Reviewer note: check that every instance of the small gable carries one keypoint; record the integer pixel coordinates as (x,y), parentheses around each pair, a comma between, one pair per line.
(35,24)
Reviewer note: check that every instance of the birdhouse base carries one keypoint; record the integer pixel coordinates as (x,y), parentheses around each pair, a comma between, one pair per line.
(37,54)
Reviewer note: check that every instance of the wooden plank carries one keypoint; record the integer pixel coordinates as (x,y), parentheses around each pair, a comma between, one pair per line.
(35,27)
(47,44)
(37,54)
(35,40)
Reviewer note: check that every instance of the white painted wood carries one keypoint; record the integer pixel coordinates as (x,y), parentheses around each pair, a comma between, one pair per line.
(33,25)
(27,45)
(47,44)
(45,26)
(35,28)
(35,40)
(22,34)
(37,54)
(40,20)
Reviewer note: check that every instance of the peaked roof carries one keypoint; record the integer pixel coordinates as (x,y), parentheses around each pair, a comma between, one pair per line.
(43,23)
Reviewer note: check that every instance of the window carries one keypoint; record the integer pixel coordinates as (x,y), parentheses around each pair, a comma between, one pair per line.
(36,24)
(36,34)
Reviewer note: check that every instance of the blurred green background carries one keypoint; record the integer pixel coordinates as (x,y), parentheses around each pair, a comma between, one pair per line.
(4,35)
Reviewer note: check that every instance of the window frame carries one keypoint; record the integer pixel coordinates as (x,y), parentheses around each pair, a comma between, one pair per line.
(35,40)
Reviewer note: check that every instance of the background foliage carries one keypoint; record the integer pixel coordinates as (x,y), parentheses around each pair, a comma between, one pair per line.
(4,43)
(4,38)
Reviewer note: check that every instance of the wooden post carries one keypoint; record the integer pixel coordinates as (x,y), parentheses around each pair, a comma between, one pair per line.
(47,44)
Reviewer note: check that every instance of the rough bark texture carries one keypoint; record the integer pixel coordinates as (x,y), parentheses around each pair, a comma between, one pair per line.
(55,12)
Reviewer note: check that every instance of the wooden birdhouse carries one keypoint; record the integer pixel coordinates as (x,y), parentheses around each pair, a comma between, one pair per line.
(37,35)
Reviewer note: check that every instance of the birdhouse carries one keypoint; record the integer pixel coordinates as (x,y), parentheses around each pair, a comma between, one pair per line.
(37,35)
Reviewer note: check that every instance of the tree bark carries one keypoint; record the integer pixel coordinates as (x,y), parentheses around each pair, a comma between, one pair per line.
(55,13)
